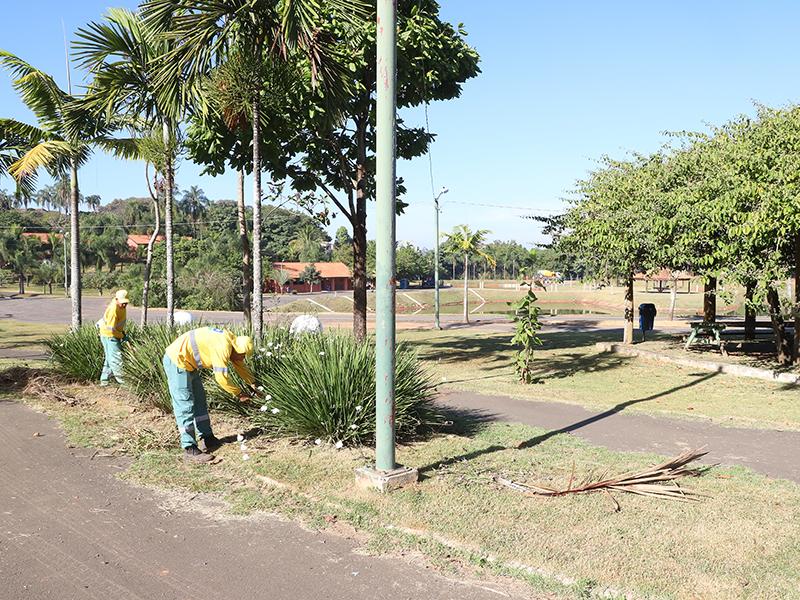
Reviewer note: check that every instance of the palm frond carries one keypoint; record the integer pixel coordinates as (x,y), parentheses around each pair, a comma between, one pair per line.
(38,90)
(43,154)
(127,148)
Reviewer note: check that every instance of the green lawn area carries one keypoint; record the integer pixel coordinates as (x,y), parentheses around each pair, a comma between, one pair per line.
(738,541)
(609,300)
(573,370)
(20,342)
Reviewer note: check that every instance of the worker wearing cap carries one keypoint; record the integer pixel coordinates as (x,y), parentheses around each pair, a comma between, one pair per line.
(112,333)
(210,348)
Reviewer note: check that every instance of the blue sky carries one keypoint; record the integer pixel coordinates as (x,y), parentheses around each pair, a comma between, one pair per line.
(562,84)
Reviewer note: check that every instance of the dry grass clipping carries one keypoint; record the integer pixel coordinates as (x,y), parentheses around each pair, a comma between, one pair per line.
(653,482)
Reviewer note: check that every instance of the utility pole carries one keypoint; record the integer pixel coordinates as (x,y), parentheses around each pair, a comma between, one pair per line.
(386,475)
(436,261)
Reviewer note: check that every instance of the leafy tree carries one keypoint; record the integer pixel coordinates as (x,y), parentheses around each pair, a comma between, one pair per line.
(48,273)
(307,243)
(124,55)
(311,276)
(434,61)
(18,254)
(411,263)
(194,204)
(526,326)
(260,31)
(61,144)
(468,244)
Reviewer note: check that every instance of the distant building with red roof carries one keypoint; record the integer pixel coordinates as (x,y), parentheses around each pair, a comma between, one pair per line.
(334,277)
(135,240)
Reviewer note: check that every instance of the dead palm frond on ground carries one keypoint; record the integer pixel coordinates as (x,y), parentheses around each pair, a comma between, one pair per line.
(653,482)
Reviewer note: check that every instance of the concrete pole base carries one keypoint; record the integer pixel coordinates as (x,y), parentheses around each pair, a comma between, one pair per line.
(386,481)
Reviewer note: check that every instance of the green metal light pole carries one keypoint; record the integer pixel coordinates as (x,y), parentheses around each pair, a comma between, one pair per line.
(436,261)
(385,238)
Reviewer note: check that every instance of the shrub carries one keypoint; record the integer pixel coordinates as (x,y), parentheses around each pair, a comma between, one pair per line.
(77,354)
(323,387)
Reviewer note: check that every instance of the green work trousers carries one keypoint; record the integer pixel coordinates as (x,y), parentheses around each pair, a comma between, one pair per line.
(112,364)
(188,402)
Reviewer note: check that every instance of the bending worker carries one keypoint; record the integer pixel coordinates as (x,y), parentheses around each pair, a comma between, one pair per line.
(112,333)
(211,348)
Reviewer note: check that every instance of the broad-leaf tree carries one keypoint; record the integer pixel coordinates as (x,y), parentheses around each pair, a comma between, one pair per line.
(434,61)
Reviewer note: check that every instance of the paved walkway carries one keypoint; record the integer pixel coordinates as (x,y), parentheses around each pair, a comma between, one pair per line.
(773,453)
(70,530)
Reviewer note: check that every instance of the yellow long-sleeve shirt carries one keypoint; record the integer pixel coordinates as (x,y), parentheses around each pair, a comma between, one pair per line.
(113,323)
(211,348)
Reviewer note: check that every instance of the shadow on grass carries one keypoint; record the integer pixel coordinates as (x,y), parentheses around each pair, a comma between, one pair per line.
(535,441)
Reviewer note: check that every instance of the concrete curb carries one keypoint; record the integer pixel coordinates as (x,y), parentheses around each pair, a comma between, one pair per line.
(706,365)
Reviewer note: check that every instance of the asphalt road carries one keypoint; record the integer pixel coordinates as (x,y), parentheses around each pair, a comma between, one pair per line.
(70,530)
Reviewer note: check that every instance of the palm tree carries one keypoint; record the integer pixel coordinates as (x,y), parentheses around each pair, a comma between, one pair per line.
(194,204)
(93,202)
(12,148)
(124,54)
(61,143)
(281,277)
(209,31)
(462,240)
(18,253)
(306,243)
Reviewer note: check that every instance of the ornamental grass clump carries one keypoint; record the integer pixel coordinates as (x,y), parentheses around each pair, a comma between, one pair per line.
(144,373)
(322,387)
(77,354)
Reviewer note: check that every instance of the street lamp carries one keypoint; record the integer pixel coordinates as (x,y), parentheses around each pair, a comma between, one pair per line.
(436,260)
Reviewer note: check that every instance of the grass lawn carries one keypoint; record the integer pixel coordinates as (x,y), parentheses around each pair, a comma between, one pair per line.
(572,370)
(739,541)
(23,340)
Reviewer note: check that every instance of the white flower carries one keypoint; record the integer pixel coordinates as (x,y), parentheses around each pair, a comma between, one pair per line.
(358,408)
(264,408)
(262,349)
(339,444)
(260,388)
(245,457)
(243,447)
(239,437)
(322,354)
(267,397)
(275,411)
(317,441)
(270,344)
(353,426)
(269,354)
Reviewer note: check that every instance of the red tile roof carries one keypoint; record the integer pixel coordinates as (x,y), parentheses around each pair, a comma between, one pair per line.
(141,239)
(41,236)
(326,269)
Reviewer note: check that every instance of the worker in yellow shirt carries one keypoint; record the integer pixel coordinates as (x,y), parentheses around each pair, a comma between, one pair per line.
(210,348)
(112,333)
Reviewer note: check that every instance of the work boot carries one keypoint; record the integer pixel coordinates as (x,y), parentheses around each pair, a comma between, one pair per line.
(194,454)
(211,442)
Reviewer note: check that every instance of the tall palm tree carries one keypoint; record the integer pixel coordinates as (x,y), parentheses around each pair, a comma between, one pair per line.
(194,204)
(61,143)
(260,29)
(123,53)
(12,148)
(462,240)
(306,243)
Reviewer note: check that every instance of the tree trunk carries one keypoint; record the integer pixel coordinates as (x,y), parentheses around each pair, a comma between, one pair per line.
(359,280)
(796,308)
(782,347)
(673,299)
(627,337)
(466,288)
(257,315)
(710,300)
(749,312)
(148,263)
(21,282)
(75,247)
(169,182)
(247,272)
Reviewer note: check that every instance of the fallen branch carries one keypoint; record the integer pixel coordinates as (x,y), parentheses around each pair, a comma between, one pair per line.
(650,482)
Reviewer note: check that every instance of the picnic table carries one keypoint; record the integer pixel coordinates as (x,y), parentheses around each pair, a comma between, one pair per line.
(707,333)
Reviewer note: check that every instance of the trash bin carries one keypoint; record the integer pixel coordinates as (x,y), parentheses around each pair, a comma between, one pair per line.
(404,284)
(647,317)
